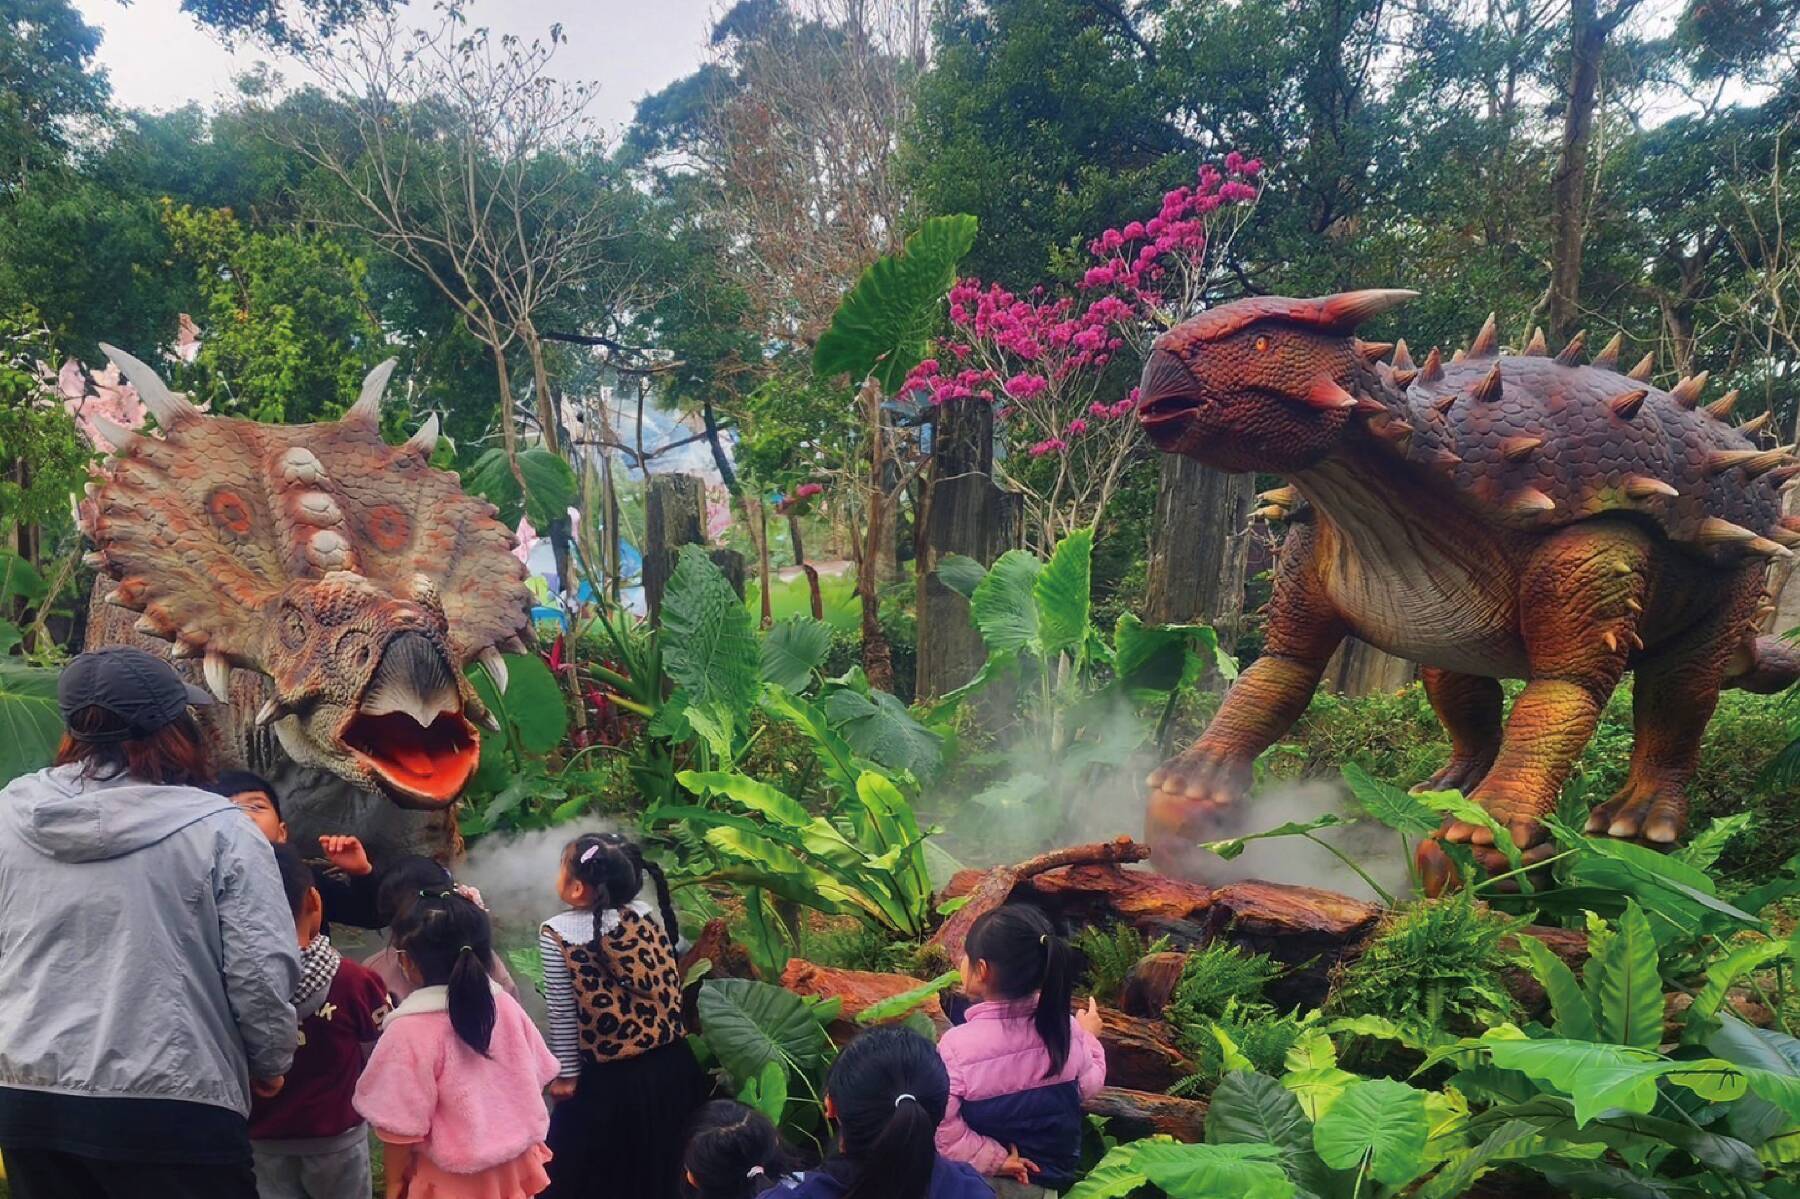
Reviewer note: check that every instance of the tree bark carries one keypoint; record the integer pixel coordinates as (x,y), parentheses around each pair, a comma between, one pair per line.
(1199,548)
(877,654)
(1358,668)
(674,507)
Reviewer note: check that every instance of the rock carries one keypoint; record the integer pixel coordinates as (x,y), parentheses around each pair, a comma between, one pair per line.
(1138,1114)
(1140,1053)
(857,989)
(1151,983)
(1305,929)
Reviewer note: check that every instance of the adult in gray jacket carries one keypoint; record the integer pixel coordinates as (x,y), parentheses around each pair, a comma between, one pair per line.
(147,956)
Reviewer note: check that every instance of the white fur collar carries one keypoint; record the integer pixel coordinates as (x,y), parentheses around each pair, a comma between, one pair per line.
(430,999)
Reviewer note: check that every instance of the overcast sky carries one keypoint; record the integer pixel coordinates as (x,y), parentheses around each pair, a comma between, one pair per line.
(158,58)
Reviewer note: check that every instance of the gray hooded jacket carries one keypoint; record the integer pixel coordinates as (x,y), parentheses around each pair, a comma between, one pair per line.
(146,947)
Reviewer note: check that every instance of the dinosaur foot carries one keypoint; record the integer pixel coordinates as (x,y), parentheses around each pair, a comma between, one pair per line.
(1438,872)
(1194,798)
(1647,808)
(1460,773)
(1518,817)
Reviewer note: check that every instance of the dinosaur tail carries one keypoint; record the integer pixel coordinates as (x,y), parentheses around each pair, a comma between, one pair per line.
(1772,664)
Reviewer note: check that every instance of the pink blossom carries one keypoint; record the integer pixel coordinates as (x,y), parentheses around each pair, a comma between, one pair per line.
(1053,445)
(807,490)
(1023,386)
(1077,427)
(1134,230)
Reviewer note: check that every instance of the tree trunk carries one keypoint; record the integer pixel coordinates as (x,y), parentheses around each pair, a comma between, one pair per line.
(1358,668)
(1568,182)
(794,536)
(540,382)
(721,459)
(877,654)
(674,507)
(1199,548)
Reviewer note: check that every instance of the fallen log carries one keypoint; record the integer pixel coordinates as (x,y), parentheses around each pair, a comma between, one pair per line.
(1134,1115)
(728,960)
(857,989)
(1153,903)
(1141,1054)
(996,886)
(1151,984)
(1305,929)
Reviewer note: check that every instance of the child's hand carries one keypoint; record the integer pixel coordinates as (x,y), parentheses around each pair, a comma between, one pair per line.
(1019,1169)
(268,1088)
(347,854)
(562,1090)
(1090,1019)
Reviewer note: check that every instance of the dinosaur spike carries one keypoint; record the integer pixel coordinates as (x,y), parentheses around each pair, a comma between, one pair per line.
(1269,512)
(495,665)
(1721,408)
(1529,501)
(116,435)
(1633,604)
(1782,474)
(1517,449)
(1489,389)
(1487,342)
(1641,372)
(1687,392)
(1769,549)
(1536,347)
(1608,357)
(1720,461)
(1445,459)
(1625,405)
(1433,370)
(1785,537)
(425,440)
(1369,405)
(218,676)
(1287,497)
(1444,403)
(1636,641)
(1715,531)
(1402,360)
(169,408)
(1755,424)
(1371,351)
(1397,431)
(1347,309)
(1403,378)
(1572,353)
(1643,487)
(1458,356)
(1767,461)
(368,404)
(94,560)
(1611,641)
(1327,393)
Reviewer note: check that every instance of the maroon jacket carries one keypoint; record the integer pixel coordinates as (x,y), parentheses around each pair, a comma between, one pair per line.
(315,1101)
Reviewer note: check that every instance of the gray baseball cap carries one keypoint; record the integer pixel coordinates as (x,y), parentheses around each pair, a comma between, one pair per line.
(141,689)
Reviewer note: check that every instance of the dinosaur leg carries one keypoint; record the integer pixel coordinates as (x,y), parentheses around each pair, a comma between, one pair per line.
(1579,597)
(1192,793)
(1673,698)
(1469,707)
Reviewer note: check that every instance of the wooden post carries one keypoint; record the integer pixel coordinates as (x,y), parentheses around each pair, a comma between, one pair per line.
(1358,668)
(674,516)
(1199,547)
(966,512)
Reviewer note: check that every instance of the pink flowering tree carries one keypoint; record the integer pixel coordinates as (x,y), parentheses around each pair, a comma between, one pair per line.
(1050,363)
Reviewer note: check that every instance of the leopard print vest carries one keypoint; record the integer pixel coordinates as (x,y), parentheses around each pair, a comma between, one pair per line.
(628,996)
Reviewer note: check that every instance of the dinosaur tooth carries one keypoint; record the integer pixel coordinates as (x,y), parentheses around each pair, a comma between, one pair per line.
(1529,501)
(1536,347)
(1572,353)
(1371,351)
(1720,461)
(1687,392)
(1517,449)
(272,710)
(1403,378)
(1767,548)
(1402,360)
(1643,487)
(1755,424)
(367,408)
(1328,394)
(1641,372)
(218,675)
(495,665)
(1716,530)
(149,626)
(169,408)
(1433,370)
(1487,342)
(1269,512)
(1287,497)
(1625,405)
(1608,357)
(425,439)
(1721,408)
(1489,389)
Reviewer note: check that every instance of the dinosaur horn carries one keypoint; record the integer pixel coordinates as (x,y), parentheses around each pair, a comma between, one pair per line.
(426,439)
(368,404)
(1327,393)
(1687,392)
(1487,342)
(1348,309)
(1536,348)
(1402,360)
(117,436)
(1371,351)
(1721,408)
(1608,358)
(1571,353)
(1641,372)
(1433,370)
(1755,424)
(169,408)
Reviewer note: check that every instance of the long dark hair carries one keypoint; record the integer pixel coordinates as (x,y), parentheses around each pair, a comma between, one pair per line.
(404,879)
(614,868)
(175,755)
(889,1089)
(450,942)
(732,1152)
(1024,954)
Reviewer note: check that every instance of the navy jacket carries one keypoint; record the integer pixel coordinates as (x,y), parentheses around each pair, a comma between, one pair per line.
(949,1180)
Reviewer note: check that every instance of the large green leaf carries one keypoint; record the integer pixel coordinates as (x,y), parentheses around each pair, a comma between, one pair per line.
(792,650)
(960,573)
(19,579)
(1003,606)
(1705,846)
(1569,1007)
(1152,660)
(1720,975)
(1249,1108)
(1511,1140)
(30,723)
(1596,1076)
(1204,1171)
(1062,590)
(533,701)
(1392,806)
(709,647)
(882,327)
(1379,1121)
(749,1024)
(547,477)
(880,727)
(834,754)
(1624,985)
(1115,1176)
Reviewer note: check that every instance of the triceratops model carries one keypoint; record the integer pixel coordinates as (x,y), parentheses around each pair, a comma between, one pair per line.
(1496,516)
(329,587)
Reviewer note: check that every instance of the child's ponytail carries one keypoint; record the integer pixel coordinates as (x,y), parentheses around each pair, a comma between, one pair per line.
(889,1089)
(450,942)
(1025,954)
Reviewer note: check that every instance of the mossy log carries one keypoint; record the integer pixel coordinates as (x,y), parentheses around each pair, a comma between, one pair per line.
(1138,1114)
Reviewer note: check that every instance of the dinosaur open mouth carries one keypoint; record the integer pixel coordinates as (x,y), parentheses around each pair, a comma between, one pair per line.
(409,728)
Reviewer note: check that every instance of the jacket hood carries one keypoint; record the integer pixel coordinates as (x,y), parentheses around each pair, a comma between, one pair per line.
(72,819)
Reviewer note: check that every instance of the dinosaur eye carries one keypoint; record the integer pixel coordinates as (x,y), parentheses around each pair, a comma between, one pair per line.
(1262,344)
(294,628)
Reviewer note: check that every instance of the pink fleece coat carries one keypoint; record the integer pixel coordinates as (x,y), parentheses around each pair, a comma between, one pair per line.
(468,1112)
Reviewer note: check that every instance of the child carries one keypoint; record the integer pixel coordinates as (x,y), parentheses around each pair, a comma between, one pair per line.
(307,1140)
(732,1153)
(1020,1066)
(454,1086)
(345,877)
(404,880)
(887,1092)
(628,1082)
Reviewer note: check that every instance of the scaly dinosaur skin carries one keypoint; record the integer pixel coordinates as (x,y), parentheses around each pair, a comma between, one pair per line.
(329,587)
(1498,516)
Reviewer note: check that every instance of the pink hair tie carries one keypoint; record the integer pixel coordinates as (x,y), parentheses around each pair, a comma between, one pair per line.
(471,894)
(587,855)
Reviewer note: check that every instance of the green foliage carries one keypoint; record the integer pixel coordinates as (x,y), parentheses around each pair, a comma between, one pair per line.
(1434,964)
(1220,1017)
(38,434)
(30,722)
(1111,953)
(1187,1171)
(793,650)
(549,484)
(772,1046)
(709,645)
(1378,1128)
(883,325)
(515,785)
(1216,976)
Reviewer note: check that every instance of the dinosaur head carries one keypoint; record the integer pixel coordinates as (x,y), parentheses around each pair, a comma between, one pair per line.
(1262,384)
(355,579)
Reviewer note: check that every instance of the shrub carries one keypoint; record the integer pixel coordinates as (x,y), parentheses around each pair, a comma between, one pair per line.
(1435,964)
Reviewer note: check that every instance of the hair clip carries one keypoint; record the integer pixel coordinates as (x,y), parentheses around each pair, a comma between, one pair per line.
(587,855)
(466,949)
(754,1172)
(471,894)
(898,1099)
(1043,938)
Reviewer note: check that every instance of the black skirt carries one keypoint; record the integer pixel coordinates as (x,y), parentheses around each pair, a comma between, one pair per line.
(624,1131)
